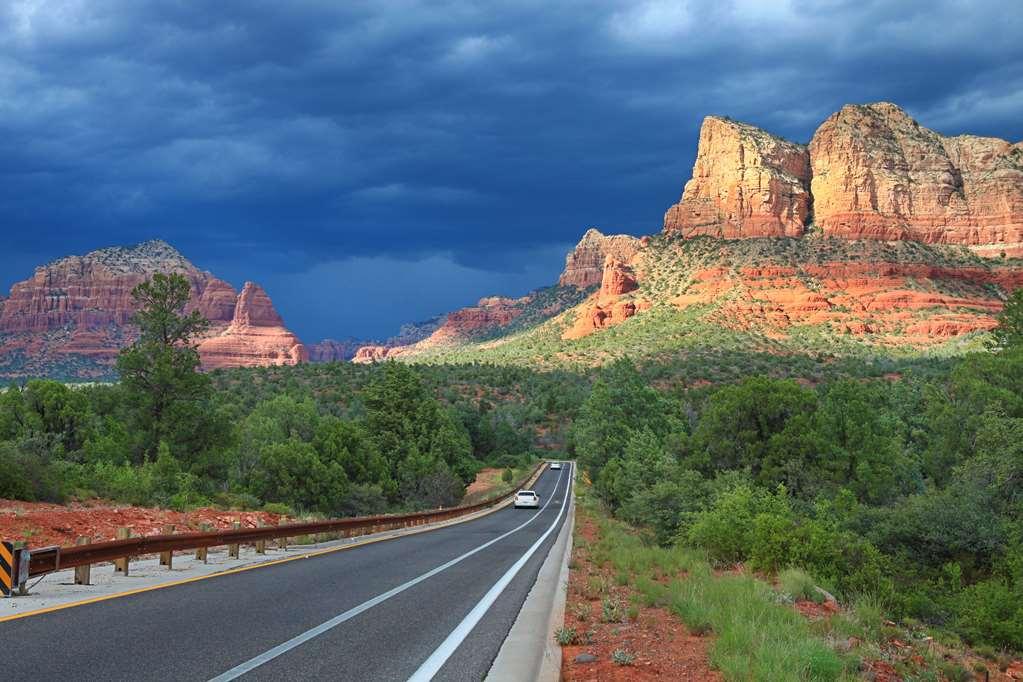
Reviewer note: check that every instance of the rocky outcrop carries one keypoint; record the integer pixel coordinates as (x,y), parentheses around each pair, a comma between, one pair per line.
(878,174)
(584,265)
(745,183)
(256,336)
(607,308)
(81,306)
(870,172)
(617,279)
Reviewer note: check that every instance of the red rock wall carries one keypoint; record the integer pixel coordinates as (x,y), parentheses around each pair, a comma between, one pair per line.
(745,183)
(879,174)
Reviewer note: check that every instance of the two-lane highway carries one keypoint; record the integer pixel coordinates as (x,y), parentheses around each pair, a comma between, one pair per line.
(436,604)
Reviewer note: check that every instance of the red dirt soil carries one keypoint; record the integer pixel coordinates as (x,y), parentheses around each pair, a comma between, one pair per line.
(663,648)
(42,524)
(486,479)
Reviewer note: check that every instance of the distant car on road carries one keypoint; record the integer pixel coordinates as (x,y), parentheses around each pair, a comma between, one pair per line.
(555,465)
(527,499)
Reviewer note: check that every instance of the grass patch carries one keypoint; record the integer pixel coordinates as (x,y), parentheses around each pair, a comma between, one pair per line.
(799,585)
(755,638)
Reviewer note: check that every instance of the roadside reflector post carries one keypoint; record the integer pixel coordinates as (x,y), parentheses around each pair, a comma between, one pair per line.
(201,553)
(260,544)
(232,550)
(121,565)
(7,566)
(83,574)
(167,558)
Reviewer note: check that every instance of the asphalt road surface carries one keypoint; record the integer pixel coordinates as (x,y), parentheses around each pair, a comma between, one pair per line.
(436,604)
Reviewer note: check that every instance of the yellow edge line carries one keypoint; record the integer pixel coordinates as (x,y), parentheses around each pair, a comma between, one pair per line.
(265,564)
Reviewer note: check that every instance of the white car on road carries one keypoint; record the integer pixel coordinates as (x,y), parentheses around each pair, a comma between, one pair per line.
(527,499)
(555,465)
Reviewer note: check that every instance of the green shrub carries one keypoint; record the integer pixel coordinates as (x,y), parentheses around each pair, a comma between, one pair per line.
(565,636)
(278,508)
(622,657)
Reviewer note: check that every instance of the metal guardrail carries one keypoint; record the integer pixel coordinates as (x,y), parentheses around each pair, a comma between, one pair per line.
(50,559)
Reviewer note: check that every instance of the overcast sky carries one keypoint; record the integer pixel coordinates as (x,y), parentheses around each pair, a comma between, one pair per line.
(372,163)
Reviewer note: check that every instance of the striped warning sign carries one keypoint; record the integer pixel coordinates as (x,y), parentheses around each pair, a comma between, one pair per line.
(6,568)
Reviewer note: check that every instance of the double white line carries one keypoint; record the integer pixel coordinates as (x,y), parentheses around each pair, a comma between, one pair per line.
(448,646)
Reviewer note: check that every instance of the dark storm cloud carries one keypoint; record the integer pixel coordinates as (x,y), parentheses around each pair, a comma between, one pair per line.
(286,141)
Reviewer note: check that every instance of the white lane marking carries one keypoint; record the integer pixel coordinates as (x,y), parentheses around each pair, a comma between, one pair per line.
(273,653)
(433,664)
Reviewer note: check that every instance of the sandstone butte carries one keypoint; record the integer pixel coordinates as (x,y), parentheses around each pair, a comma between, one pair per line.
(81,306)
(869,172)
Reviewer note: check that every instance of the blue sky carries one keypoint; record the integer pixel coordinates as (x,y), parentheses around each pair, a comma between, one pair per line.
(372,163)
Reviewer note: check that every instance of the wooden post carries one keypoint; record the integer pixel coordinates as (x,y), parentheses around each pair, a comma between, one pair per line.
(260,544)
(121,565)
(282,543)
(232,550)
(201,553)
(167,558)
(83,574)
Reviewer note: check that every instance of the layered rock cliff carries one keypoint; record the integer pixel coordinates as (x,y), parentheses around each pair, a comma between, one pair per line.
(879,174)
(870,172)
(73,315)
(746,183)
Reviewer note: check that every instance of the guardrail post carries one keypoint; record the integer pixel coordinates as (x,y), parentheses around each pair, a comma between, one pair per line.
(201,553)
(167,558)
(282,542)
(83,574)
(232,550)
(260,544)
(121,565)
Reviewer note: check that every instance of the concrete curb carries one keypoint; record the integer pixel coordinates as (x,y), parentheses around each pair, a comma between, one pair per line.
(541,615)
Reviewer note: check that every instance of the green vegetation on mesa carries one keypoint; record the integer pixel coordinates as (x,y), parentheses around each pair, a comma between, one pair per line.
(901,494)
(694,345)
(333,439)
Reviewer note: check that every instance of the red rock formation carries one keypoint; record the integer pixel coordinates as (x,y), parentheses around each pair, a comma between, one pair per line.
(606,308)
(332,350)
(490,313)
(368,354)
(746,183)
(584,265)
(82,306)
(256,336)
(618,279)
(878,174)
(870,172)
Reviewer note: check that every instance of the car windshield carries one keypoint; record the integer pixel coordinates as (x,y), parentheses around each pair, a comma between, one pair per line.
(527,493)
